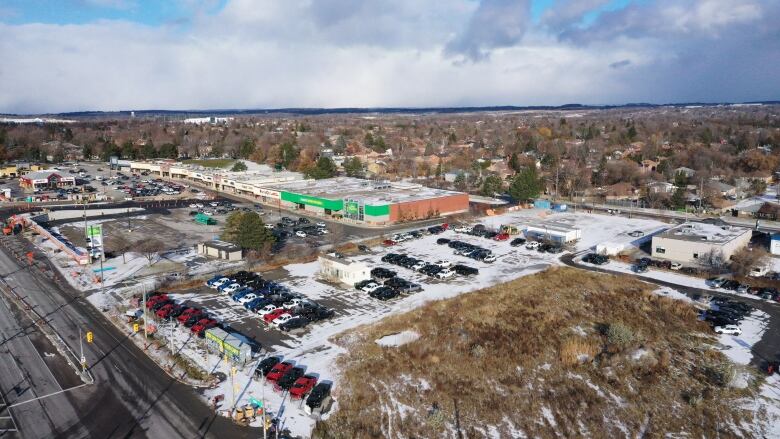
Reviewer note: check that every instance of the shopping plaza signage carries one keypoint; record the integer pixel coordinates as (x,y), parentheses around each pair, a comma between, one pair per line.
(312,201)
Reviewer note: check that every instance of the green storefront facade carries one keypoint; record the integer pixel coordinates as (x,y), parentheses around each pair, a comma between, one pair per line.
(350,208)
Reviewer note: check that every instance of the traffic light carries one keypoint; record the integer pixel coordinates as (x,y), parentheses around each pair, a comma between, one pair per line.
(90,336)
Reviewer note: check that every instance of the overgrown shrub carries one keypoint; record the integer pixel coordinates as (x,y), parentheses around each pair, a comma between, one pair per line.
(720,374)
(620,335)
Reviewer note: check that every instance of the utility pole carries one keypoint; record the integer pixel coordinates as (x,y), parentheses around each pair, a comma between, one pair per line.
(81,348)
(146,334)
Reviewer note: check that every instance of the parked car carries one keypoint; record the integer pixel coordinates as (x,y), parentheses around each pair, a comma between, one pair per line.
(636,233)
(278,371)
(639,268)
(675,266)
(501,237)
(532,245)
(293,323)
(282,318)
(247,298)
(517,242)
(388,242)
(728,329)
(465,270)
(289,378)
(302,386)
(265,366)
(442,241)
(273,315)
(203,324)
(318,395)
(445,274)
(266,310)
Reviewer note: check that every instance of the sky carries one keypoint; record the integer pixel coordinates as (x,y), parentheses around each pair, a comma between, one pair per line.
(109,55)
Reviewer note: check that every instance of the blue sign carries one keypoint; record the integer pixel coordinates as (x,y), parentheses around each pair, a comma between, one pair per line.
(98,270)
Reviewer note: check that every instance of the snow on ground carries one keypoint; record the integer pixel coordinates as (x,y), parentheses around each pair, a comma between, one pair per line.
(669,276)
(739,347)
(399,339)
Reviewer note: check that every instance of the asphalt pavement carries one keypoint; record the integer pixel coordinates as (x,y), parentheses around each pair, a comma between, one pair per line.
(131,397)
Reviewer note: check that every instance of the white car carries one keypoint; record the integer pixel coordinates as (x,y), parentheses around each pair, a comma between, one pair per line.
(193,206)
(321,225)
(248,298)
(232,288)
(462,229)
(445,274)
(214,204)
(418,266)
(444,264)
(532,245)
(676,266)
(229,287)
(323,231)
(284,318)
(292,303)
(219,283)
(398,238)
(266,310)
(489,259)
(199,205)
(300,234)
(370,287)
(728,329)
(269,226)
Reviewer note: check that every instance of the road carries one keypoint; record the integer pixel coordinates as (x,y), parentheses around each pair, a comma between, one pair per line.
(131,398)
(767,349)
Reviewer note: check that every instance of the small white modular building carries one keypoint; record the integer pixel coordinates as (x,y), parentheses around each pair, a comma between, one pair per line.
(220,250)
(557,233)
(774,244)
(343,270)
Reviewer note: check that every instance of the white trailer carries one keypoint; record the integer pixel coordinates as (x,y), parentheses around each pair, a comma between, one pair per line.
(609,248)
(558,234)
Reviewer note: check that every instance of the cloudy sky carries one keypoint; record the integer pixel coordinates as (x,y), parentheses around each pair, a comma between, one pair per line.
(73,55)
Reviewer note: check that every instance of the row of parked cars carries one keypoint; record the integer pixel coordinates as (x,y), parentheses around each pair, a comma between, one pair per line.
(767,293)
(415,234)
(273,302)
(198,320)
(726,315)
(595,259)
(287,377)
(438,269)
(468,250)
(385,285)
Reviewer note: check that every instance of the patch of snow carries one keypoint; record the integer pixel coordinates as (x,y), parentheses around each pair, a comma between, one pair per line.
(398,339)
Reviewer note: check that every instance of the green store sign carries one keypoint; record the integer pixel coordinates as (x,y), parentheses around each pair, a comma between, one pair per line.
(352,208)
(312,201)
(377,210)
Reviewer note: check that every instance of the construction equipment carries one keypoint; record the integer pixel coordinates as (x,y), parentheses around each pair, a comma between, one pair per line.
(509,230)
(202,218)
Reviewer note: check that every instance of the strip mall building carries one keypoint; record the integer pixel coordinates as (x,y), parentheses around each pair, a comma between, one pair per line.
(370,202)
(351,199)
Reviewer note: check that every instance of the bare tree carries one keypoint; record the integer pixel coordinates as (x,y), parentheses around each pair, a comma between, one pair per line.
(714,260)
(120,244)
(743,261)
(337,234)
(150,248)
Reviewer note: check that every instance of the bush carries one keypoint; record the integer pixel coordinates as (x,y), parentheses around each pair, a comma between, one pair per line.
(720,374)
(620,335)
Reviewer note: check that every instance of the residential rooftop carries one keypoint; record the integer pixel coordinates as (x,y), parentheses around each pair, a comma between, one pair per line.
(370,192)
(704,232)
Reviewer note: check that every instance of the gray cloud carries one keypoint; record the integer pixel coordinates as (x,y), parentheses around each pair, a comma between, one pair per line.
(495,24)
(620,64)
(341,53)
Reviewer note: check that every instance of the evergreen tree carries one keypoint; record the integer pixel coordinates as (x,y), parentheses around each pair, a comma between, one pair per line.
(525,185)
(460,182)
(491,186)
(353,167)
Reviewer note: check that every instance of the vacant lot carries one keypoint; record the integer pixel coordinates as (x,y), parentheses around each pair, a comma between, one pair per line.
(559,354)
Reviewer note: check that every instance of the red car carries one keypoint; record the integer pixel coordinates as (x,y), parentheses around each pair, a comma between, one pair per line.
(501,237)
(202,325)
(278,371)
(165,311)
(273,315)
(154,299)
(189,312)
(302,386)
(445,226)
(388,242)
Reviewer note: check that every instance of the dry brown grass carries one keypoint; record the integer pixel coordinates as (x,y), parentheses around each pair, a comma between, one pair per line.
(505,355)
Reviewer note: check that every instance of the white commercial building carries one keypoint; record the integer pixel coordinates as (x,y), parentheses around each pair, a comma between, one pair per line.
(692,243)
(557,233)
(220,250)
(343,270)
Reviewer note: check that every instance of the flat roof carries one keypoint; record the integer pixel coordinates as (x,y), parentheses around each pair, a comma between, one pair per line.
(704,232)
(222,245)
(369,191)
